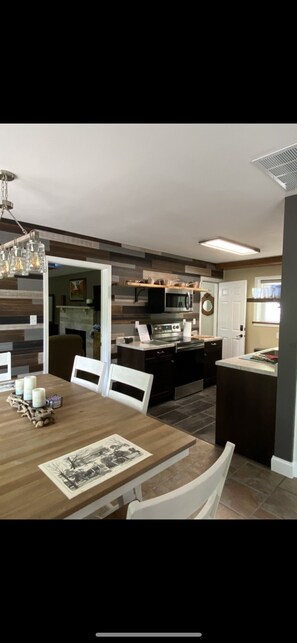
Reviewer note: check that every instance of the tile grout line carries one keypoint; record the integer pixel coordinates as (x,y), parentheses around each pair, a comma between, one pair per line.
(269,511)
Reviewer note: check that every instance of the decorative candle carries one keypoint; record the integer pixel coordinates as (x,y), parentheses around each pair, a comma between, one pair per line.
(38,398)
(29,384)
(19,386)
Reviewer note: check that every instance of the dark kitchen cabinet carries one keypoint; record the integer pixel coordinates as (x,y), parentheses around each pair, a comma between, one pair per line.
(245,412)
(159,362)
(212,352)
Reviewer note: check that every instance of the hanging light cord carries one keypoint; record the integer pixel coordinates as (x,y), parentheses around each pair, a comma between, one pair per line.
(23,255)
(8,205)
(19,224)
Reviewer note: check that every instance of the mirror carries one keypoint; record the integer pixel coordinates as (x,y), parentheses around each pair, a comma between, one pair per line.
(207,304)
(104,278)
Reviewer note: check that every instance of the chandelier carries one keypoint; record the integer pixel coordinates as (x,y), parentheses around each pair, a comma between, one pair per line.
(26,254)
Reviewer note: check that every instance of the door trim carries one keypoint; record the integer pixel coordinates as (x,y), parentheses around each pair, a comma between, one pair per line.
(105,354)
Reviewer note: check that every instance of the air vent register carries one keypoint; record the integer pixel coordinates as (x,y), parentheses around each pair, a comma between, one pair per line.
(281,166)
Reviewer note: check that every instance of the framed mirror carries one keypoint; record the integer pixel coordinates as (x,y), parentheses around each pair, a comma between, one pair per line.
(207,304)
(76,266)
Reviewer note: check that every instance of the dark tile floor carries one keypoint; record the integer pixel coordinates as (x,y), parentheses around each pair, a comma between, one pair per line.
(194,413)
(251,490)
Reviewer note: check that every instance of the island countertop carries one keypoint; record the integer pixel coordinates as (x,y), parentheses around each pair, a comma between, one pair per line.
(244,363)
(206,338)
(148,346)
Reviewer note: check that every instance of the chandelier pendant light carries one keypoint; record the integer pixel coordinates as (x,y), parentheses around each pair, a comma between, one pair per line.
(26,254)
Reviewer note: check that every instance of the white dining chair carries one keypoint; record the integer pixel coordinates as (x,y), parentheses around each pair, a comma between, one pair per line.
(5,361)
(132,378)
(201,495)
(90,366)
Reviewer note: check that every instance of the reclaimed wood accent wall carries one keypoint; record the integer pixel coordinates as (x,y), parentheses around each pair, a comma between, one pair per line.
(22,296)
(19,298)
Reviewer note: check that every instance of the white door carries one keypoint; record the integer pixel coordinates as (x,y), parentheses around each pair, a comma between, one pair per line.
(231,317)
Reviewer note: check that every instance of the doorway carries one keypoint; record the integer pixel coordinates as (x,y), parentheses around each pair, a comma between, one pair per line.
(104,278)
(232,317)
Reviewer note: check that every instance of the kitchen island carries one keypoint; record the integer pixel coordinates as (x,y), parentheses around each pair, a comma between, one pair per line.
(246,404)
(176,372)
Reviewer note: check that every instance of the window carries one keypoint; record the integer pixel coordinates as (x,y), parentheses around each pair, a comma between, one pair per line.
(267,312)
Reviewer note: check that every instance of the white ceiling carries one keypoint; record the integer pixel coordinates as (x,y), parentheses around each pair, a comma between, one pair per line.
(162,187)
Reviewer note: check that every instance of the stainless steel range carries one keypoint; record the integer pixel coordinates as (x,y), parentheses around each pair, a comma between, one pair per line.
(189,358)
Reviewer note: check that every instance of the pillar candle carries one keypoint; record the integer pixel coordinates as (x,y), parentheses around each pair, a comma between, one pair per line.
(29,384)
(19,386)
(38,397)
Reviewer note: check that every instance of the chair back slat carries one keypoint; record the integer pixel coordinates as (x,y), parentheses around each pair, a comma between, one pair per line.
(132,378)
(200,495)
(91,366)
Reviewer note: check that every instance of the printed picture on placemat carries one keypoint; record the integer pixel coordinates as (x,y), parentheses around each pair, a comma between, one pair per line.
(80,470)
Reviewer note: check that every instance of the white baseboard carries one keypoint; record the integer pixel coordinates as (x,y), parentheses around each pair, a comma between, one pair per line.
(284,467)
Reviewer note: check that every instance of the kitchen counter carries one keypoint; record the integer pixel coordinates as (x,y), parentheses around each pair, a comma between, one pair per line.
(244,363)
(149,346)
(246,406)
(206,338)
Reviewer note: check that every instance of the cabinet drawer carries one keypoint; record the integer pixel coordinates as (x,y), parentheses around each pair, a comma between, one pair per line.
(213,346)
(158,353)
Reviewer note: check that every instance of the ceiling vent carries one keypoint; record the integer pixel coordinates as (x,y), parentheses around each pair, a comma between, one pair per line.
(281,166)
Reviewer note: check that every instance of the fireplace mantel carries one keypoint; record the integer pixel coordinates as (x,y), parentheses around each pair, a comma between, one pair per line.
(80,318)
(77,307)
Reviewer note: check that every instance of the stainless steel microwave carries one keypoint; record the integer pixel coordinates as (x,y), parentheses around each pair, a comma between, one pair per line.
(170,300)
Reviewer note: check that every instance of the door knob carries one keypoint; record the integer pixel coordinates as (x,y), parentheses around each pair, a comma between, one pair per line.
(238,336)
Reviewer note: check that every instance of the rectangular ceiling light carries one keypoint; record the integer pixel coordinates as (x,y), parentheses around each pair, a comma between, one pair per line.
(229,246)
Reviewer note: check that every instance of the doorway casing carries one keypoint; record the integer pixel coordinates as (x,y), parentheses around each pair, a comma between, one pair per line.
(105,305)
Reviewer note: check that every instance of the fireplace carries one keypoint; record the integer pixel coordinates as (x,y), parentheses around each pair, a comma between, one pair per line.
(81,333)
(79,320)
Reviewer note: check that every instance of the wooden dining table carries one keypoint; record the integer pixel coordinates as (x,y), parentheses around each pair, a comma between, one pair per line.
(84,418)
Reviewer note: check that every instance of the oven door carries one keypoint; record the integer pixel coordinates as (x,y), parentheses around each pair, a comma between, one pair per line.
(189,370)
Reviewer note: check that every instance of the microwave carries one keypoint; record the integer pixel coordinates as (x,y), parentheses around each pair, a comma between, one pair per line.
(170,300)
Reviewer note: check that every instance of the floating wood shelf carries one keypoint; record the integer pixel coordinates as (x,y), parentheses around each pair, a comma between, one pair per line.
(138,285)
(77,307)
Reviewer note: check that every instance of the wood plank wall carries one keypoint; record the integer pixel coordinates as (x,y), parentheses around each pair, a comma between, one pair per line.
(22,296)
(19,298)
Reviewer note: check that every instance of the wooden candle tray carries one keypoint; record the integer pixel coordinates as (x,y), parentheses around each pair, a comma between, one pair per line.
(38,417)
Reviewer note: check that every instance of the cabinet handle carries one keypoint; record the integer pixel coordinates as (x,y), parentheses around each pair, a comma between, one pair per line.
(160,352)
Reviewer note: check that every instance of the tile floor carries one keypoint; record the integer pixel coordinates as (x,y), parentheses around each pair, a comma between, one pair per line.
(195,413)
(251,491)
